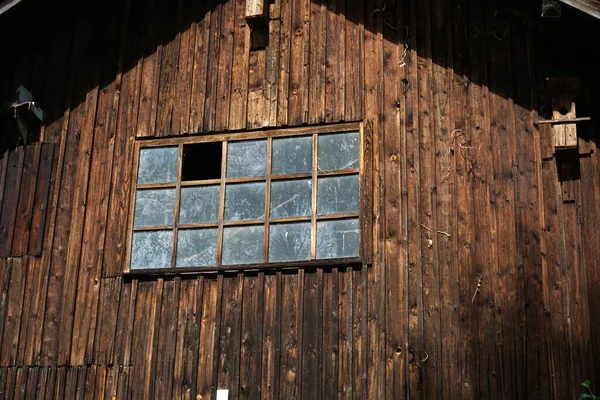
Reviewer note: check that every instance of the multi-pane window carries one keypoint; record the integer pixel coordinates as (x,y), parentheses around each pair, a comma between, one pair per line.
(280,197)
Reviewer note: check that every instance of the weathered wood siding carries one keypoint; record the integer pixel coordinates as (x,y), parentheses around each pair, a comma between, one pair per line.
(486,255)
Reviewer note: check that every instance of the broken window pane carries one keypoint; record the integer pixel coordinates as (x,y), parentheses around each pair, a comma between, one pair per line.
(247,158)
(151,249)
(337,238)
(243,245)
(289,242)
(291,198)
(154,207)
(199,204)
(245,201)
(292,155)
(157,165)
(338,194)
(338,151)
(197,247)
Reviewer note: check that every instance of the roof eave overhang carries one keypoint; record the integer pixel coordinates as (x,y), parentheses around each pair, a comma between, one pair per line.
(591,7)
(6,5)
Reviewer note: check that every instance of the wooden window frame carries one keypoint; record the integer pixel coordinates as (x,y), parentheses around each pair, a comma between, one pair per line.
(364,214)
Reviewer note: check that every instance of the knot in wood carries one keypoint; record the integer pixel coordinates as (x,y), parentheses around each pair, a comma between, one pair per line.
(299,31)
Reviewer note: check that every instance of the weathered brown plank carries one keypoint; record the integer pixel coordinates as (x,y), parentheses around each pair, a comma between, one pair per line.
(257,105)
(209,335)
(171,18)
(239,70)
(443,201)
(165,355)
(272,66)
(123,389)
(225,63)
(230,335)
(290,362)
(150,68)
(11,380)
(15,289)
(312,331)
(188,335)
(40,202)
(345,333)
(392,107)
(125,324)
(335,69)
(211,94)
(89,386)
(33,286)
(10,199)
(251,336)
(299,62)
(109,308)
(359,333)
(285,38)
(271,340)
(203,21)
(330,324)
(20,237)
(317,62)
(96,200)
(355,68)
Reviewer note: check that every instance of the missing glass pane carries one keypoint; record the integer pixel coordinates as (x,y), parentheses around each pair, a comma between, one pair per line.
(201,161)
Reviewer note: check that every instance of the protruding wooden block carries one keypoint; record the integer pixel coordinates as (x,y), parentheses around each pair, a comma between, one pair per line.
(564,92)
(257,10)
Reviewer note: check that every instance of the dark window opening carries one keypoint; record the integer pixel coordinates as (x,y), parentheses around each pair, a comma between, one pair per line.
(201,161)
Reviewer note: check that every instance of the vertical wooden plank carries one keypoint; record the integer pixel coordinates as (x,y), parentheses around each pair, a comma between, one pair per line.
(330,324)
(289,383)
(33,285)
(188,335)
(96,202)
(271,343)
(393,48)
(359,333)
(312,331)
(3,174)
(125,324)
(251,336)
(285,37)
(89,385)
(415,232)
(230,334)
(31,385)
(335,67)
(272,64)
(123,389)
(150,68)
(110,307)
(239,75)
(257,105)
(20,237)
(51,383)
(203,12)
(124,133)
(317,62)
(345,333)
(10,199)
(355,61)
(299,62)
(100,382)
(209,336)
(211,96)
(225,60)
(170,16)
(15,288)
(165,356)
(187,44)
(109,387)
(21,382)
(3,377)
(40,202)
(11,381)
(443,200)
(463,232)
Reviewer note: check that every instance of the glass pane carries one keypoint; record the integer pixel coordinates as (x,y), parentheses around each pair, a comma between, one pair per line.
(338,194)
(337,238)
(338,151)
(247,158)
(154,207)
(289,242)
(197,247)
(292,155)
(244,201)
(291,198)
(151,249)
(243,244)
(157,165)
(199,204)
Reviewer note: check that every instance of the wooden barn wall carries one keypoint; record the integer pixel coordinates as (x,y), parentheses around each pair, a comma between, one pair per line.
(486,265)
